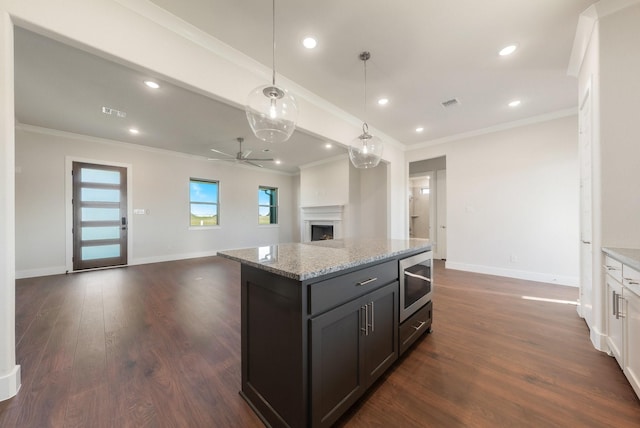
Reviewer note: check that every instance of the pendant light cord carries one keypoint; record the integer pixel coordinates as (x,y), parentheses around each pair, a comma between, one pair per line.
(364,56)
(273,33)
(365,90)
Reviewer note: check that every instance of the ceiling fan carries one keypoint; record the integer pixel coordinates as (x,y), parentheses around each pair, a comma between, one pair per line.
(241,156)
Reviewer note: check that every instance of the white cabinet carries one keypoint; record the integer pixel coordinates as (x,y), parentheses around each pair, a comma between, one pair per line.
(632,341)
(623,318)
(613,281)
(614,318)
(631,324)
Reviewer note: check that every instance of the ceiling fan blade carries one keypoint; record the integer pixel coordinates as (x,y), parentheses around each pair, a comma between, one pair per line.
(225,160)
(222,153)
(259,159)
(252,163)
(244,155)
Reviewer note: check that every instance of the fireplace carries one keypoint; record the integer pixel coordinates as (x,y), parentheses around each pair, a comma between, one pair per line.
(325,220)
(321,232)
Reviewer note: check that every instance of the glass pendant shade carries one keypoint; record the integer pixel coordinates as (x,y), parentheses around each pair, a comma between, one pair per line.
(272,113)
(366,150)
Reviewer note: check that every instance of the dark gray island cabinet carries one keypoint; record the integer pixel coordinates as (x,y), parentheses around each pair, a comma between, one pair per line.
(320,323)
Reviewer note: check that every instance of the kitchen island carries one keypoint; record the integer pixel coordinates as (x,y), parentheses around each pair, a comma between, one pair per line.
(319,324)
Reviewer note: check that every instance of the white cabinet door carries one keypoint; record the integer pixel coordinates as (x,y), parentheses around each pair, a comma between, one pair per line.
(614,321)
(632,340)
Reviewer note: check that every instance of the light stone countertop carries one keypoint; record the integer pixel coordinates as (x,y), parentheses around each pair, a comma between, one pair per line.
(628,257)
(302,261)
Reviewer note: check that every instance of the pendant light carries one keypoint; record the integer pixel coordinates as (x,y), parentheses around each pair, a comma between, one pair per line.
(271,111)
(365,151)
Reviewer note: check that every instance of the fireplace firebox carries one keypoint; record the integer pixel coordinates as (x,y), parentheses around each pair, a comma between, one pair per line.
(321,232)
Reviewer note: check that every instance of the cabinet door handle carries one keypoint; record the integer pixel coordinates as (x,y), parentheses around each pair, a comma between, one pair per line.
(368,281)
(619,313)
(372,318)
(614,301)
(631,281)
(611,267)
(364,310)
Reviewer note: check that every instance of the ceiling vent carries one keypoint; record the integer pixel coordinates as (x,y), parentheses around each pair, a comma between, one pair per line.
(113,112)
(450,103)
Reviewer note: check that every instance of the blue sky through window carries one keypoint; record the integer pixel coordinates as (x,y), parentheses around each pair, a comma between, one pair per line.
(206,193)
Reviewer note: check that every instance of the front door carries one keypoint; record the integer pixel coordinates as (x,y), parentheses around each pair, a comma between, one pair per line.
(99,216)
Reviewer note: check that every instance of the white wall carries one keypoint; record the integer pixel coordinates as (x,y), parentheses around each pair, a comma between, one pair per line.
(512,201)
(325,183)
(374,202)
(363,193)
(160,183)
(619,68)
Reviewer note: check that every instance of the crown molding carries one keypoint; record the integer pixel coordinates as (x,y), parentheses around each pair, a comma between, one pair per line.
(586,25)
(497,128)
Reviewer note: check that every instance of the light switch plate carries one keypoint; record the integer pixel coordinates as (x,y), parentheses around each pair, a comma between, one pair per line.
(138,211)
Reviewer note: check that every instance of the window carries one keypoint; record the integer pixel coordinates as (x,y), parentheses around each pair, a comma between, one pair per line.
(267,205)
(203,201)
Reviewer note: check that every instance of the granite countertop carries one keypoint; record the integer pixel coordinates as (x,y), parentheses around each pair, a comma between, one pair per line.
(302,261)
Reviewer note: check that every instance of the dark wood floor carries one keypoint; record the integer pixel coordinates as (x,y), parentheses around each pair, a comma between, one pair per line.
(159,346)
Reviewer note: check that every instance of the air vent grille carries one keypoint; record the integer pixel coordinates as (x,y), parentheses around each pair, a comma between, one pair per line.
(113,112)
(450,103)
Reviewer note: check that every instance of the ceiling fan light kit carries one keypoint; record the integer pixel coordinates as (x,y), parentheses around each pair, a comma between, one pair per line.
(272,111)
(365,151)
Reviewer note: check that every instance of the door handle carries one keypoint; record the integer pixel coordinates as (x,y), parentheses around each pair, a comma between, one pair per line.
(124,223)
(364,310)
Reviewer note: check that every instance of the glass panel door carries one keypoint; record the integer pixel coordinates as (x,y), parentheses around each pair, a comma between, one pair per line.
(99,216)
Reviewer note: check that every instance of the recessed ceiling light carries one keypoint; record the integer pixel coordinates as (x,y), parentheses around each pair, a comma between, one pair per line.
(133,131)
(151,84)
(383,101)
(514,103)
(419,129)
(278,161)
(309,42)
(508,50)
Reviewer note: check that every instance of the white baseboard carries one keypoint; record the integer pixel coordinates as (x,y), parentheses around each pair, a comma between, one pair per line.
(32,273)
(10,384)
(599,340)
(58,270)
(512,273)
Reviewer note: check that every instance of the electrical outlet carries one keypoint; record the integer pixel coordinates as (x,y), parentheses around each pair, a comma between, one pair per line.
(139,211)
(514,258)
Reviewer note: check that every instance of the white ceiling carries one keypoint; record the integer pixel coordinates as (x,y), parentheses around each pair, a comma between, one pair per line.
(423,52)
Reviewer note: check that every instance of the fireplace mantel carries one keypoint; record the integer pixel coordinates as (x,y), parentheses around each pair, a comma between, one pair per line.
(325,215)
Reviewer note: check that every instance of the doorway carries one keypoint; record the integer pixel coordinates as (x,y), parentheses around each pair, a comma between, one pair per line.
(428,203)
(100,219)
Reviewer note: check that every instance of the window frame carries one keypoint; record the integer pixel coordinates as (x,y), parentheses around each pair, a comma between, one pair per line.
(273,207)
(193,180)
